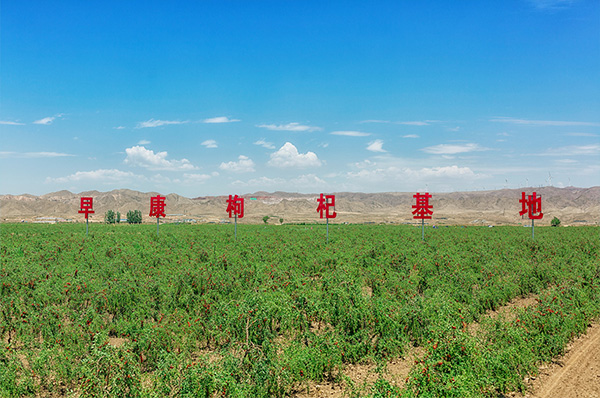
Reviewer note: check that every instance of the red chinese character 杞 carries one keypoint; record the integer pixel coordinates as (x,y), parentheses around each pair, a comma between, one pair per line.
(532,205)
(235,206)
(87,206)
(422,208)
(157,206)
(325,203)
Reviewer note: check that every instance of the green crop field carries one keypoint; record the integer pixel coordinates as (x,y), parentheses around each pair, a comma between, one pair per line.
(193,313)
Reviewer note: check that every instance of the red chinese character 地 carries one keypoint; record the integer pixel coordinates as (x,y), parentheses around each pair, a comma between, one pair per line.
(235,206)
(325,203)
(86,206)
(532,205)
(422,208)
(157,206)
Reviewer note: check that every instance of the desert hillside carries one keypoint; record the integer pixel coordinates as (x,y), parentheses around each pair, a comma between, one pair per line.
(573,206)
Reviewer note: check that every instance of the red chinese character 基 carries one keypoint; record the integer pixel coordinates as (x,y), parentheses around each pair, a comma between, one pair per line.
(531,205)
(325,203)
(87,206)
(157,206)
(422,208)
(235,206)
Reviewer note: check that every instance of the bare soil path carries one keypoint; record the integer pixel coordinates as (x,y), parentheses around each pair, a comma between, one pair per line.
(575,375)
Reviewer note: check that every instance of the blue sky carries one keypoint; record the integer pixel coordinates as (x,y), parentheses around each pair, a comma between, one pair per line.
(218,97)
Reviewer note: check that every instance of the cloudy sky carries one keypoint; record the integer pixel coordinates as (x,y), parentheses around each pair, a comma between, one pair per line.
(220,97)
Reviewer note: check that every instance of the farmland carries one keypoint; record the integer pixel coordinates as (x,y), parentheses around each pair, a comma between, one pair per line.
(193,312)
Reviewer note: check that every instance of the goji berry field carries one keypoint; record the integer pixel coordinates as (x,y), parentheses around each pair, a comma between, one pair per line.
(195,313)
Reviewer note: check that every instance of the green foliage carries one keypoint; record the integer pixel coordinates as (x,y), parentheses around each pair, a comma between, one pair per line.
(109,217)
(134,217)
(195,313)
(555,222)
(281,221)
(266,219)
(118,218)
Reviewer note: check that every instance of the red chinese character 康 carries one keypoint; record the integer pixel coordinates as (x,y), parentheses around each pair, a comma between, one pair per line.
(157,206)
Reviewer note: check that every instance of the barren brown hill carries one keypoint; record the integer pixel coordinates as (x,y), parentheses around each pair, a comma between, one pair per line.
(573,206)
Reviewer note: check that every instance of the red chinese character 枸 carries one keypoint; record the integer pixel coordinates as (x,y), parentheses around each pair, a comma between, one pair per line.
(422,208)
(532,205)
(157,206)
(86,206)
(235,206)
(325,203)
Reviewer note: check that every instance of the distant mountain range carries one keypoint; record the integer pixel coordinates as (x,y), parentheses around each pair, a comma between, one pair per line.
(573,206)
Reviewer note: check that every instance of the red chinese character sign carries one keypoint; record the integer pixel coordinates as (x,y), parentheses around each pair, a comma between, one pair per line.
(326,204)
(157,208)
(422,210)
(532,205)
(235,208)
(86,207)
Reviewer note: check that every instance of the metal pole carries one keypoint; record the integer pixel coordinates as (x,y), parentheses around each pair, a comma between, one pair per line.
(327,230)
(86,227)
(156,226)
(532,229)
(422,228)
(236,227)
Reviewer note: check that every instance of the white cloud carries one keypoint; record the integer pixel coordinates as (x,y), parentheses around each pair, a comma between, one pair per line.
(289,127)
(144,142)
(264,144)
(140,156)
(592,149)
(33,155)
(375,121)
(6,122)
(351,133)
(457,128)
(288,156)
(376,146)
(158,123)
(243,165)
(196,178)
(210,144)
(582,135)
(410,136)
(103,175)
(402,173)
(307,180)
(541,122)
(119,128)
(45,121)
(452,149)
(220,119)
(551,4)
(415,123)
(260,182)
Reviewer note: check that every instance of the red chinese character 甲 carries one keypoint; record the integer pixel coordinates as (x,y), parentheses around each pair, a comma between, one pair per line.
(532,205)
(86,206)
(235,206)
(157,206)
(422,208)
(325,203)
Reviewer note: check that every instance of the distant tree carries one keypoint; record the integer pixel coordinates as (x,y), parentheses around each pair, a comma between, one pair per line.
(134,217)
(281,221)
(118,220)
(109,217)
(555,222)
(266,219)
